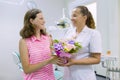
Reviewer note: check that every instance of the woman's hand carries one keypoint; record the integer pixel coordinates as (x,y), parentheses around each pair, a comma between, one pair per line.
(68,63)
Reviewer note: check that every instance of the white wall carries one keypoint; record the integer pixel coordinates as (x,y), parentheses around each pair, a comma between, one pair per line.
(108,19)
(108,23)
(11,21)
(118,22)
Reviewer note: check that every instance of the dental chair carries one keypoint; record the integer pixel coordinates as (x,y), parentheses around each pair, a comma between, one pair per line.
(16,58)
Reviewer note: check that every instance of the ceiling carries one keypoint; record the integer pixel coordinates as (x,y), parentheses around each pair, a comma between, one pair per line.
(14,2)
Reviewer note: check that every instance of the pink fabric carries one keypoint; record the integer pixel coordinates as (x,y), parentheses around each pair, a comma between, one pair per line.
(39,50)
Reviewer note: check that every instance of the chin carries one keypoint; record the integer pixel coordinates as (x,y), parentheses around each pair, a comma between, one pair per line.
(74,25)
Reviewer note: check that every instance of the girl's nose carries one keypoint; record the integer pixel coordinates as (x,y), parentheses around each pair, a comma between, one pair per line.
(44,21)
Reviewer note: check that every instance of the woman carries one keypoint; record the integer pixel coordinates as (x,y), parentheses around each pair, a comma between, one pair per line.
(79,67)
(34,48)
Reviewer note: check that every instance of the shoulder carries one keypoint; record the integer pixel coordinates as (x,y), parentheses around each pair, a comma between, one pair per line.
(96,32)
(93,31)
(22,40)
(47,36)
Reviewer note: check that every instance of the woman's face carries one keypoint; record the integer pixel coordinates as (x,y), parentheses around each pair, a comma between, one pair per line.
(77,18)
(39,21)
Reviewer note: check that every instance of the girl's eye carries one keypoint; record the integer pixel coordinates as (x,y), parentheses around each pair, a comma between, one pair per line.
(41,18)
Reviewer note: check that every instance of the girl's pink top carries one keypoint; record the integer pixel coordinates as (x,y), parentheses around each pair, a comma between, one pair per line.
(39,50)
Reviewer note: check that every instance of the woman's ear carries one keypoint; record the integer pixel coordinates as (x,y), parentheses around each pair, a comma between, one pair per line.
(85,17)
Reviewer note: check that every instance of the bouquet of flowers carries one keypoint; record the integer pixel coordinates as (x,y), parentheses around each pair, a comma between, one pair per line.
(65,49)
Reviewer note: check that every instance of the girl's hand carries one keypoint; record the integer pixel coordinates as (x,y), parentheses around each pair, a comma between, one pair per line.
(62,61)
(66,62)
(54,59)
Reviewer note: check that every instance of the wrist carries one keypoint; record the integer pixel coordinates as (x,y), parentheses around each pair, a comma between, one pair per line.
(49,61)
(73,62)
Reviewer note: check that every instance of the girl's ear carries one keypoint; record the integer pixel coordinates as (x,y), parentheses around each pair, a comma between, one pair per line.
(31,21)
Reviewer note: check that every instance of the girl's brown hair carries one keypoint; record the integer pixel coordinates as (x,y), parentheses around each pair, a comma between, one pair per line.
(28,30)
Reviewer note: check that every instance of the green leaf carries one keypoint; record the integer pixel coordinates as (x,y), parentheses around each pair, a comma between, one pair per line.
(56,41)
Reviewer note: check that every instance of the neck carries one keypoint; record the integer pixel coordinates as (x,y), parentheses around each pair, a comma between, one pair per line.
(79,29)
(37,34)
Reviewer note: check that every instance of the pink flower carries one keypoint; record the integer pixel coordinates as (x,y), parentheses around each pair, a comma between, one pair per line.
(64,49)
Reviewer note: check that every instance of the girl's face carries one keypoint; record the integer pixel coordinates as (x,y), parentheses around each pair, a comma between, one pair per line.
(77,18)
(39,21)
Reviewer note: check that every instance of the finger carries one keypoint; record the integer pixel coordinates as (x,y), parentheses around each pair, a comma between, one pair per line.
(60,65)
(67,64)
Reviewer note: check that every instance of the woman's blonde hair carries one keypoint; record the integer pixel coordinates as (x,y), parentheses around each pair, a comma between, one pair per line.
(90,21)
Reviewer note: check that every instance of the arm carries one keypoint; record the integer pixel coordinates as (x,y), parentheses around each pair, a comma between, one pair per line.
(27,67)
(93,59)
(51,42)
(95,52)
